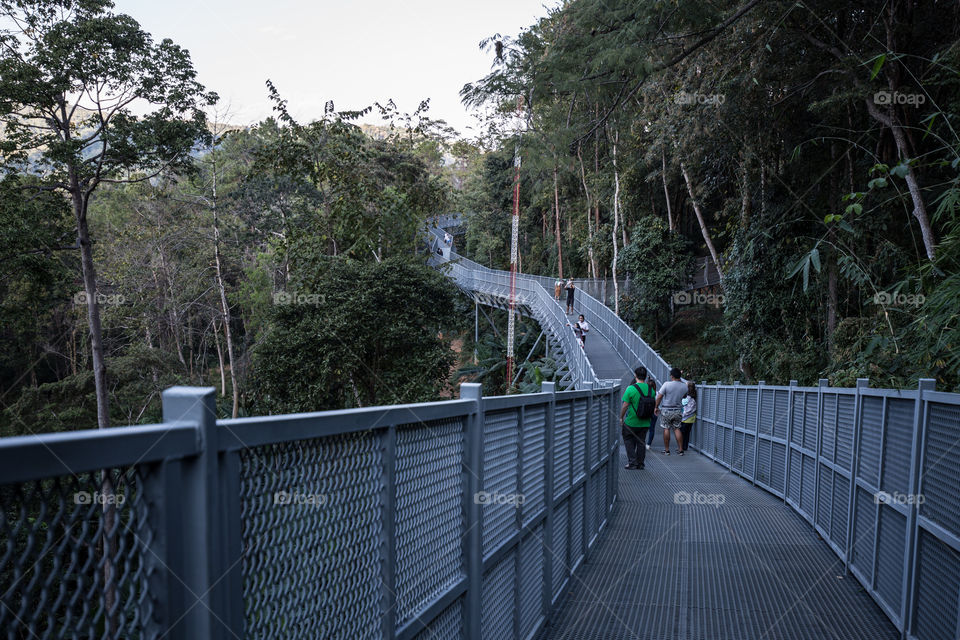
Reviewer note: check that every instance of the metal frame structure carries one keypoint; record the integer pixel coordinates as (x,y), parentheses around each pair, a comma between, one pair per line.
(874,471)
(456,519)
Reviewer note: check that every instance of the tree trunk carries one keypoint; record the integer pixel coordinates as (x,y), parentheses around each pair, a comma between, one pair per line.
(616,222)
(671,225)
(913,184)
(224,307)
(556,211)
(223,370)
(703,223)
(592,260)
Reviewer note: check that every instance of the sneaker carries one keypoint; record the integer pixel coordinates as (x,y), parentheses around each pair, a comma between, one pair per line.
(679,453)
(629,466)
(648,447)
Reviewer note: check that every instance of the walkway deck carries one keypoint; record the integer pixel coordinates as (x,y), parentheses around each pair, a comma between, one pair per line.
(749,568)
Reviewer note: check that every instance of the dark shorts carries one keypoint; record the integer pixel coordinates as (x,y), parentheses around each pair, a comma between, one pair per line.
(570,296)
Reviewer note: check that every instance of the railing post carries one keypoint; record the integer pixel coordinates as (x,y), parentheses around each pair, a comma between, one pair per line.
(862,383)
(716,419)
(910,558)
(473,479)
(786,474)
(196,590)
(548,537)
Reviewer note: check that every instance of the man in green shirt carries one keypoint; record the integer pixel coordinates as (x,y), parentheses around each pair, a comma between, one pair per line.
(638,401)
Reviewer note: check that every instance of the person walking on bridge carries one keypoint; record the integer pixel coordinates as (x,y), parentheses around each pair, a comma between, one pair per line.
(557,290)
(669,409)
(584,328)
(635,414)
(570,288)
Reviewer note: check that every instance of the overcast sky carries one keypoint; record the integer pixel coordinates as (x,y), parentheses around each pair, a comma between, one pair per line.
(353,52)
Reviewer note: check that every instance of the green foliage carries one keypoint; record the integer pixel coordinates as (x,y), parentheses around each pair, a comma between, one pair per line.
(365,334)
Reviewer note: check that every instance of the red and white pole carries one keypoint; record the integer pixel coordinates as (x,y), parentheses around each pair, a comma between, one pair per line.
(514,234)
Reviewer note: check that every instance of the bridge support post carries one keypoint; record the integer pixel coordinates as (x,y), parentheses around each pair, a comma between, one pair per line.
(191,535)
(548,537)
(473,521)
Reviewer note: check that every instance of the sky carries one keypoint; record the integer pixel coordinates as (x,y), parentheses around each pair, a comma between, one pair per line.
(352,52)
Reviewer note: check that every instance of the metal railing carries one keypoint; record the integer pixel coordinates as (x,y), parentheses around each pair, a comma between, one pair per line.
(493,287)
(457,519)
(875,471)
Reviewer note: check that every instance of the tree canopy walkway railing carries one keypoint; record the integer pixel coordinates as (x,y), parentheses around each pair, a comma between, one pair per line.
(444,520)
(876,472)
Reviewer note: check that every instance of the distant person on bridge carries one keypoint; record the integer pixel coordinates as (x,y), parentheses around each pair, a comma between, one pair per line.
(635,413)
(557,289)
(570,289)
(448,239)
(689,413)
(584,328)
(669,409)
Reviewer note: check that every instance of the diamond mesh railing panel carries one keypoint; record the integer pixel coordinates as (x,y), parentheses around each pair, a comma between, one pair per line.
(73,557)
(781,414)
(891,544)
(576,525)
(446,626)
(579,437)
(430,523)
(312,532)
(497,601)
(534,462)
(531,581)
(501,440)
(865,526)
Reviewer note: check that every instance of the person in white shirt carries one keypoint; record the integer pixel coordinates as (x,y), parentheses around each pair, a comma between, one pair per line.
(584,328)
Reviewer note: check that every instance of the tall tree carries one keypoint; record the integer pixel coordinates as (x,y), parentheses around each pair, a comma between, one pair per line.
(73,74)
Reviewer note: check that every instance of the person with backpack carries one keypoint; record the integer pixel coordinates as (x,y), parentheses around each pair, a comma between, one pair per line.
(635,414)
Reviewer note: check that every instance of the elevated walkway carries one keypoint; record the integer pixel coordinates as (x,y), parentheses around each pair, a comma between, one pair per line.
(741,564)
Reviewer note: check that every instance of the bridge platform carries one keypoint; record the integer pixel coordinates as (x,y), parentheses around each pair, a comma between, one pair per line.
(741,564)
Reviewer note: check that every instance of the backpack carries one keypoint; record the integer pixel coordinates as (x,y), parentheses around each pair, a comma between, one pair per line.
(645,405)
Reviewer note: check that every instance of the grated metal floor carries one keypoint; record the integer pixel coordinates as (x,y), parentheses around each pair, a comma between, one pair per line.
(748,568)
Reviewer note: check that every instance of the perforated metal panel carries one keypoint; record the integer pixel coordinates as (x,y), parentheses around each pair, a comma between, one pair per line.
(871,425)
(778,467)
(864,533)
(896,446)
(938,580)
(576,525)
(596,431)
(781,414)
(501,439)
(72,557)
(562,447)
(846,406)
(558,551)
(941,467)
(531,581)
(749,444)
(579,437)
(296,499)
(890,553)
(828,437)
(750,424)
(766,412)
(810,409)
(429,513)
